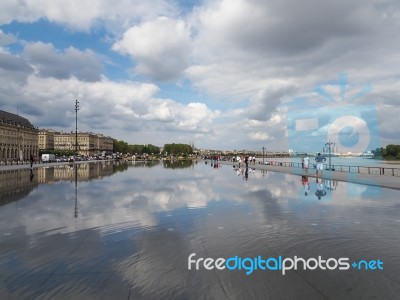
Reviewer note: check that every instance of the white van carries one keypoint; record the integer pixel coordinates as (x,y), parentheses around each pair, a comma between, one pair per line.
(48,158)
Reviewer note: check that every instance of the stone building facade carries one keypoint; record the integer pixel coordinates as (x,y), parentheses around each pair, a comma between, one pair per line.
(105,143)
(18,138)
(89,144)
(46,139)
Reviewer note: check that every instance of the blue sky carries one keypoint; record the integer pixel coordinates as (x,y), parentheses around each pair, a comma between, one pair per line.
(224,74)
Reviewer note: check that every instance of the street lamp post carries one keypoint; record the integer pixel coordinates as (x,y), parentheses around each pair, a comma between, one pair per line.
(76,153)
(329,144)
(263,149)
(76,126)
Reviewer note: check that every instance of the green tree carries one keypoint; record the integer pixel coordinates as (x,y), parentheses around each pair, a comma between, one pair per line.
(391,151)
(124,147)
(177,149)
(149,149)
(120,146)
(377,152)
(136,149)
(383,151)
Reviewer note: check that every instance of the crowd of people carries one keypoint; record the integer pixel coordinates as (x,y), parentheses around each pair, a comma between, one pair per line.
(243,162)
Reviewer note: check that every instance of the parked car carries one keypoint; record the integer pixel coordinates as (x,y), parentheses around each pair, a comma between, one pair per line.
(48,158)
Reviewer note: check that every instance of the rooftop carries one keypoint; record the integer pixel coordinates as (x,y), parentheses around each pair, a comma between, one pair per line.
(7,117)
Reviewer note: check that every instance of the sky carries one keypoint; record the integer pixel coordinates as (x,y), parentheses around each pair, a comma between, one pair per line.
(221,74)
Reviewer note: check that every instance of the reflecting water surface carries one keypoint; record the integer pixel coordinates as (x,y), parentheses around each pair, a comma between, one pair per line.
(119,231)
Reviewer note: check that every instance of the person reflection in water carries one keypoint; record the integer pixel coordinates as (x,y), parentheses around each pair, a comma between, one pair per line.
(246,174)
(306,184)
(31,176)
(238,171)
(306,163)
(320,189)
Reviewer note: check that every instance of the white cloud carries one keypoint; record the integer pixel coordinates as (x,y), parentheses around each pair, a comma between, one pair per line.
(114,108)
(6,39)
(259,135)
(78,14)
(245,57)
(192,117)
(389,121)
(48,62)
(83,15)
(265,102)
(159,47)
(14,70)
(194,114)
(159,111)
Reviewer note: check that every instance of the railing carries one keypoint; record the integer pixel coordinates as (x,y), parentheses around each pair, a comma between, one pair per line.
(342,168)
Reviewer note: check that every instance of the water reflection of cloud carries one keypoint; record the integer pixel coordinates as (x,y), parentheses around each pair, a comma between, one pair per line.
(138,194)
(143,224)
(135,198)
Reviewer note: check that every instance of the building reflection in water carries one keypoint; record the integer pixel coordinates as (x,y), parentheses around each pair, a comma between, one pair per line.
(17,184)
(84,172)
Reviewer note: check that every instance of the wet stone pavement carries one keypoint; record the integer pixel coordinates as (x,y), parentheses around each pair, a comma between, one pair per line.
(125,231)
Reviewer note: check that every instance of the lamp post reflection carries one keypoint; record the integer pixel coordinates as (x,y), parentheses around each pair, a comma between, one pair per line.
(263,149)
(76,191)
(263,172)
(330,185)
